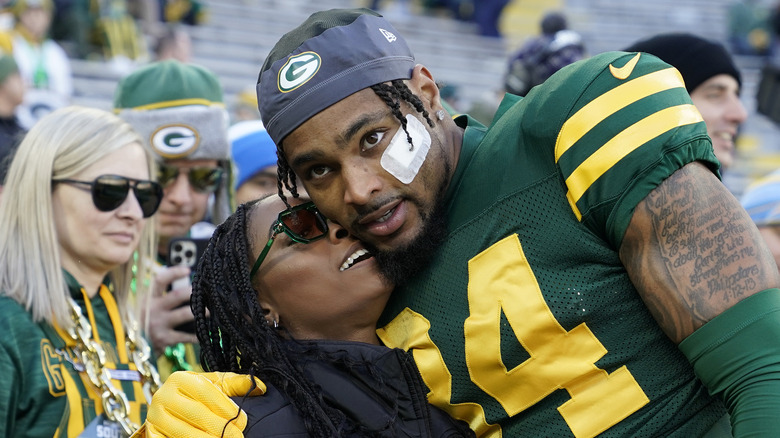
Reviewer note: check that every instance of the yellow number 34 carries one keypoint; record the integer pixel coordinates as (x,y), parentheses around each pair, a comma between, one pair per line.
(501,278)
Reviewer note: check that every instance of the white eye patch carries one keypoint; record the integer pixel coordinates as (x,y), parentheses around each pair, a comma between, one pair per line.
(401,162)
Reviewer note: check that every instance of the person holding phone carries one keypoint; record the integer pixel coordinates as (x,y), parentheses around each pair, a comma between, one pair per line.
(73,216)
(179,111)
(298,308)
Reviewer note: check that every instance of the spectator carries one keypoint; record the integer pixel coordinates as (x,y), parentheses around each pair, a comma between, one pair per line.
(487,14)
(178,108)
(577,268)
(115,31)
(762,202)
(539,58)
(190,12)
(254,155)
(11,96)
(307,327)
(484,13)
(175,43)
(72,216)
(749,28)
(713,81)
(43,64)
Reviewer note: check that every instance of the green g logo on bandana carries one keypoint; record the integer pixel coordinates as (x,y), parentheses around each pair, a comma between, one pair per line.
(298,70)
(175,141)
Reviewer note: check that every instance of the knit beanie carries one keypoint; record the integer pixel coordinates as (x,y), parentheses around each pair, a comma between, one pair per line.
(252,149)
(332,55)
(762,200)
(7,67)
(696,58)
(179,111)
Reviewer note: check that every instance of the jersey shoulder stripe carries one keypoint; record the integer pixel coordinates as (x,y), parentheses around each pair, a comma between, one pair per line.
(610,102)
(623,143)
(623,115)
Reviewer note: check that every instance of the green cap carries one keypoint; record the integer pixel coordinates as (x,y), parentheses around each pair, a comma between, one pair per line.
(177,108)
(168,83)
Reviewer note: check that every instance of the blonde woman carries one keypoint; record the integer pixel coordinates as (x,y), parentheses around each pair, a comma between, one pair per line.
(73,214)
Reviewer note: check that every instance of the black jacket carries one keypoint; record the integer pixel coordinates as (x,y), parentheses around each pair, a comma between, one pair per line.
(391,404)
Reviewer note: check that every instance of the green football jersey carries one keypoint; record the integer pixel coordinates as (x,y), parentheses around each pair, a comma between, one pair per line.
(44,393)
(525,323)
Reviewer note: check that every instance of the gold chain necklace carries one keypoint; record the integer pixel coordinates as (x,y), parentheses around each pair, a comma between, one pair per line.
(93,357)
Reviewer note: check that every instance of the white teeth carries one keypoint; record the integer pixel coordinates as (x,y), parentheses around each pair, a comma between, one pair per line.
(385,217)
(352,258)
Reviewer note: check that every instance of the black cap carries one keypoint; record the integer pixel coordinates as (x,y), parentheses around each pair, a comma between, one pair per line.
(332,55)
(696,58)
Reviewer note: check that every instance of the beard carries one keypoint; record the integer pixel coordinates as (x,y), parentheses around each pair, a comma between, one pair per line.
(399,265)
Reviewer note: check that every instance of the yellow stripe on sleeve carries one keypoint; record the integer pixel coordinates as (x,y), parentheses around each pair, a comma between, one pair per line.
(611,102)
(624,143)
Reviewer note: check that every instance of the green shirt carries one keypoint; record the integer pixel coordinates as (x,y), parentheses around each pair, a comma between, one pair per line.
(42,394)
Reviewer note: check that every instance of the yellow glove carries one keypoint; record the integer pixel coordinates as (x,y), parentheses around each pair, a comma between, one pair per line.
(198,405)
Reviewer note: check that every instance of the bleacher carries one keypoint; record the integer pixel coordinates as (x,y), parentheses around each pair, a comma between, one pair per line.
(239,34)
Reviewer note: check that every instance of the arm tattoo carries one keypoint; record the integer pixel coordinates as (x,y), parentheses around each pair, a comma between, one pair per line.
(693,252)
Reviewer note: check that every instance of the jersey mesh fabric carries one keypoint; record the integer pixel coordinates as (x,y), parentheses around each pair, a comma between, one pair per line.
(508,184)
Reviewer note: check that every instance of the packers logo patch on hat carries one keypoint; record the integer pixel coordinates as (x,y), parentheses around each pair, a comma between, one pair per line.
(309,70)
(175,141)
(298,70)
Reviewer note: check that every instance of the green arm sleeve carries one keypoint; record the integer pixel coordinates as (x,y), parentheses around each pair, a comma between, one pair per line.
(737,356)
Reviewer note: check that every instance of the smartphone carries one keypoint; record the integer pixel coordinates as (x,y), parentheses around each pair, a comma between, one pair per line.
(185,251)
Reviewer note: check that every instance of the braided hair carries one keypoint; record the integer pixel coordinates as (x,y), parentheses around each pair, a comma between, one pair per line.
(234,338)
(392,95)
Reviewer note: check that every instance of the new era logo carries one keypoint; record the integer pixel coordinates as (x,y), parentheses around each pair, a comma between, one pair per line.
(388,35)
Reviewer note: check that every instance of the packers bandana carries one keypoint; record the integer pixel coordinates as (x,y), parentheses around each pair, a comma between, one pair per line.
(332,55)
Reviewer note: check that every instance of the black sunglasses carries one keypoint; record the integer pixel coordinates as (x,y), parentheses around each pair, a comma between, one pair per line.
(303,223)
(110,191)
(202,179)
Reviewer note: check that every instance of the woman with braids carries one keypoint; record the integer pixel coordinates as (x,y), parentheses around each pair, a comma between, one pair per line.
(73,239)
(293,300)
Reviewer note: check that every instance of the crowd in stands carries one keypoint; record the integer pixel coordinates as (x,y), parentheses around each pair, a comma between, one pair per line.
(180,166)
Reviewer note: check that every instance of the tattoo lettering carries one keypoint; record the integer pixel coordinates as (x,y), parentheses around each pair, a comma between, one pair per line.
(690,250)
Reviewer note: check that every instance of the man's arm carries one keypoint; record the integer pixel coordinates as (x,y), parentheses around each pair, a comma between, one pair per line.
(706,275)
(692,252)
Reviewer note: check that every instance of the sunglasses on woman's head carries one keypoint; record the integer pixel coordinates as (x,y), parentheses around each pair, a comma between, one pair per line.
(110,191)
(202,179)
(303,223)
